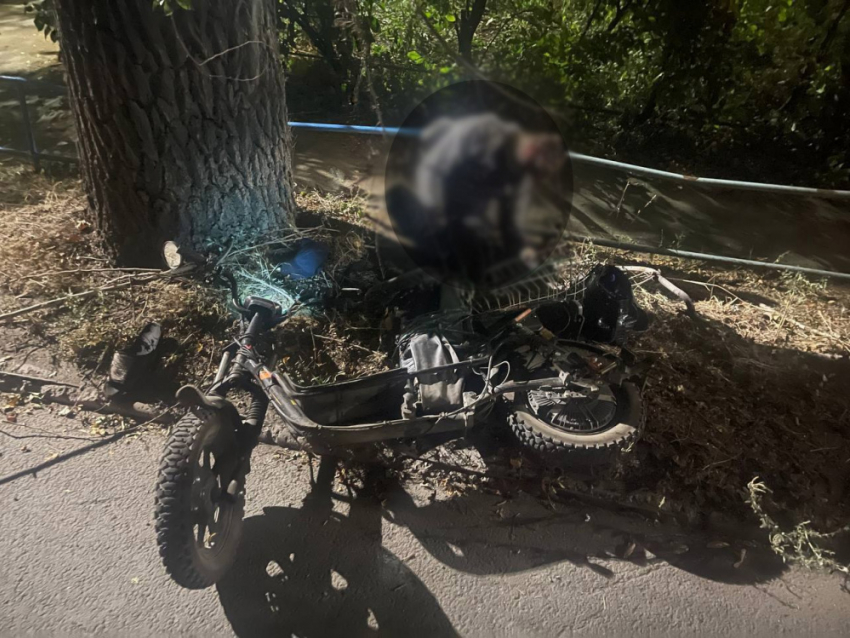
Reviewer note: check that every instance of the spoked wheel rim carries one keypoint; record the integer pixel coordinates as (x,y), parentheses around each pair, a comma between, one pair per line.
(583,411)
(214,513)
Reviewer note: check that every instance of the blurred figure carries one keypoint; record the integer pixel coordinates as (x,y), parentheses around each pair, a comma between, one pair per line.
(466,207)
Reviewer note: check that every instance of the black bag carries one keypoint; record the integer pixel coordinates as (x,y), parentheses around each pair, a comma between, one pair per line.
(603,309)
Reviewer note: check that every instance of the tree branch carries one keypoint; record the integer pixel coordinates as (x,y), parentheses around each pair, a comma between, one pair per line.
(122,282)
(590,19)
(322,45)
(621,13)
(470,19)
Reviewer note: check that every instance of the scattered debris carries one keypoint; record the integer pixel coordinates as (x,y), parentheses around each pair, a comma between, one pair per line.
(801,544)
(89,402)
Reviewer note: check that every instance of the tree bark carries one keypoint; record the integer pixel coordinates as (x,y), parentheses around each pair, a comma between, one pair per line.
(181,120)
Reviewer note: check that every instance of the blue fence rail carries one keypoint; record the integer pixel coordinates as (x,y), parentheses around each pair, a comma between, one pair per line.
(21,85)
(630,169)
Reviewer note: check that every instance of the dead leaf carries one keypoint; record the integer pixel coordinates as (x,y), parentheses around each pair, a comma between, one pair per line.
(741,559)
(630,550)
(717,545)
(11,417)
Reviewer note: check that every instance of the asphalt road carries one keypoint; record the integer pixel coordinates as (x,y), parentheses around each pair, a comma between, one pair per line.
(79,558)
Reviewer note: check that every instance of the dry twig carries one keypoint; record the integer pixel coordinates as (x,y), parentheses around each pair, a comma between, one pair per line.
(122,282)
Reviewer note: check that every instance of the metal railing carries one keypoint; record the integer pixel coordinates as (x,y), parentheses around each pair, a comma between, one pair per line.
(36,156)
(631,169)
(20,86)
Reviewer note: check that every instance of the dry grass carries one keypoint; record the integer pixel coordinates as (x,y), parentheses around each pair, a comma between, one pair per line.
(49,252)
(350,209)
(43,230)
(322,349)
(758,387)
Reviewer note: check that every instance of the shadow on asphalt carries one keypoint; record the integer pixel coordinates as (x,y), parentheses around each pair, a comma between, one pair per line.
(313,571)
(478,534)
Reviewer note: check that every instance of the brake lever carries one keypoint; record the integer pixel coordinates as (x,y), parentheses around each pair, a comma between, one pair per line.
(222,275)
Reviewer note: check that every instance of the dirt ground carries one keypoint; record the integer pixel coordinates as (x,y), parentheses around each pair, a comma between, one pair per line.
(751,393)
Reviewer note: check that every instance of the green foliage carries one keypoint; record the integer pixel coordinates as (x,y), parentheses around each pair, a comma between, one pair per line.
(753,89)
(801,544)
(44,17)
(44,13)
(764,82)
(170,5)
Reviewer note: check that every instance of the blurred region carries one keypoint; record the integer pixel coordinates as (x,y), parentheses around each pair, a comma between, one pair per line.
(482,196)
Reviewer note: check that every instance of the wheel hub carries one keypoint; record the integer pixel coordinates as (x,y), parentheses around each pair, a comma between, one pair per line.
(584,410)
(206,502)
(207,492)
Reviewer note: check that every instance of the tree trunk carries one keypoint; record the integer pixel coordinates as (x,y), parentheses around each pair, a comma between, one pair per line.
(470,18)
(181,120)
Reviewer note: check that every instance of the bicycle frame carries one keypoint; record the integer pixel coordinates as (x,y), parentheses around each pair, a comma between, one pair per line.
(242,368)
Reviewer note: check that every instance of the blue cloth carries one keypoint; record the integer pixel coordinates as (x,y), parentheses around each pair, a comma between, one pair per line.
(307,261)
